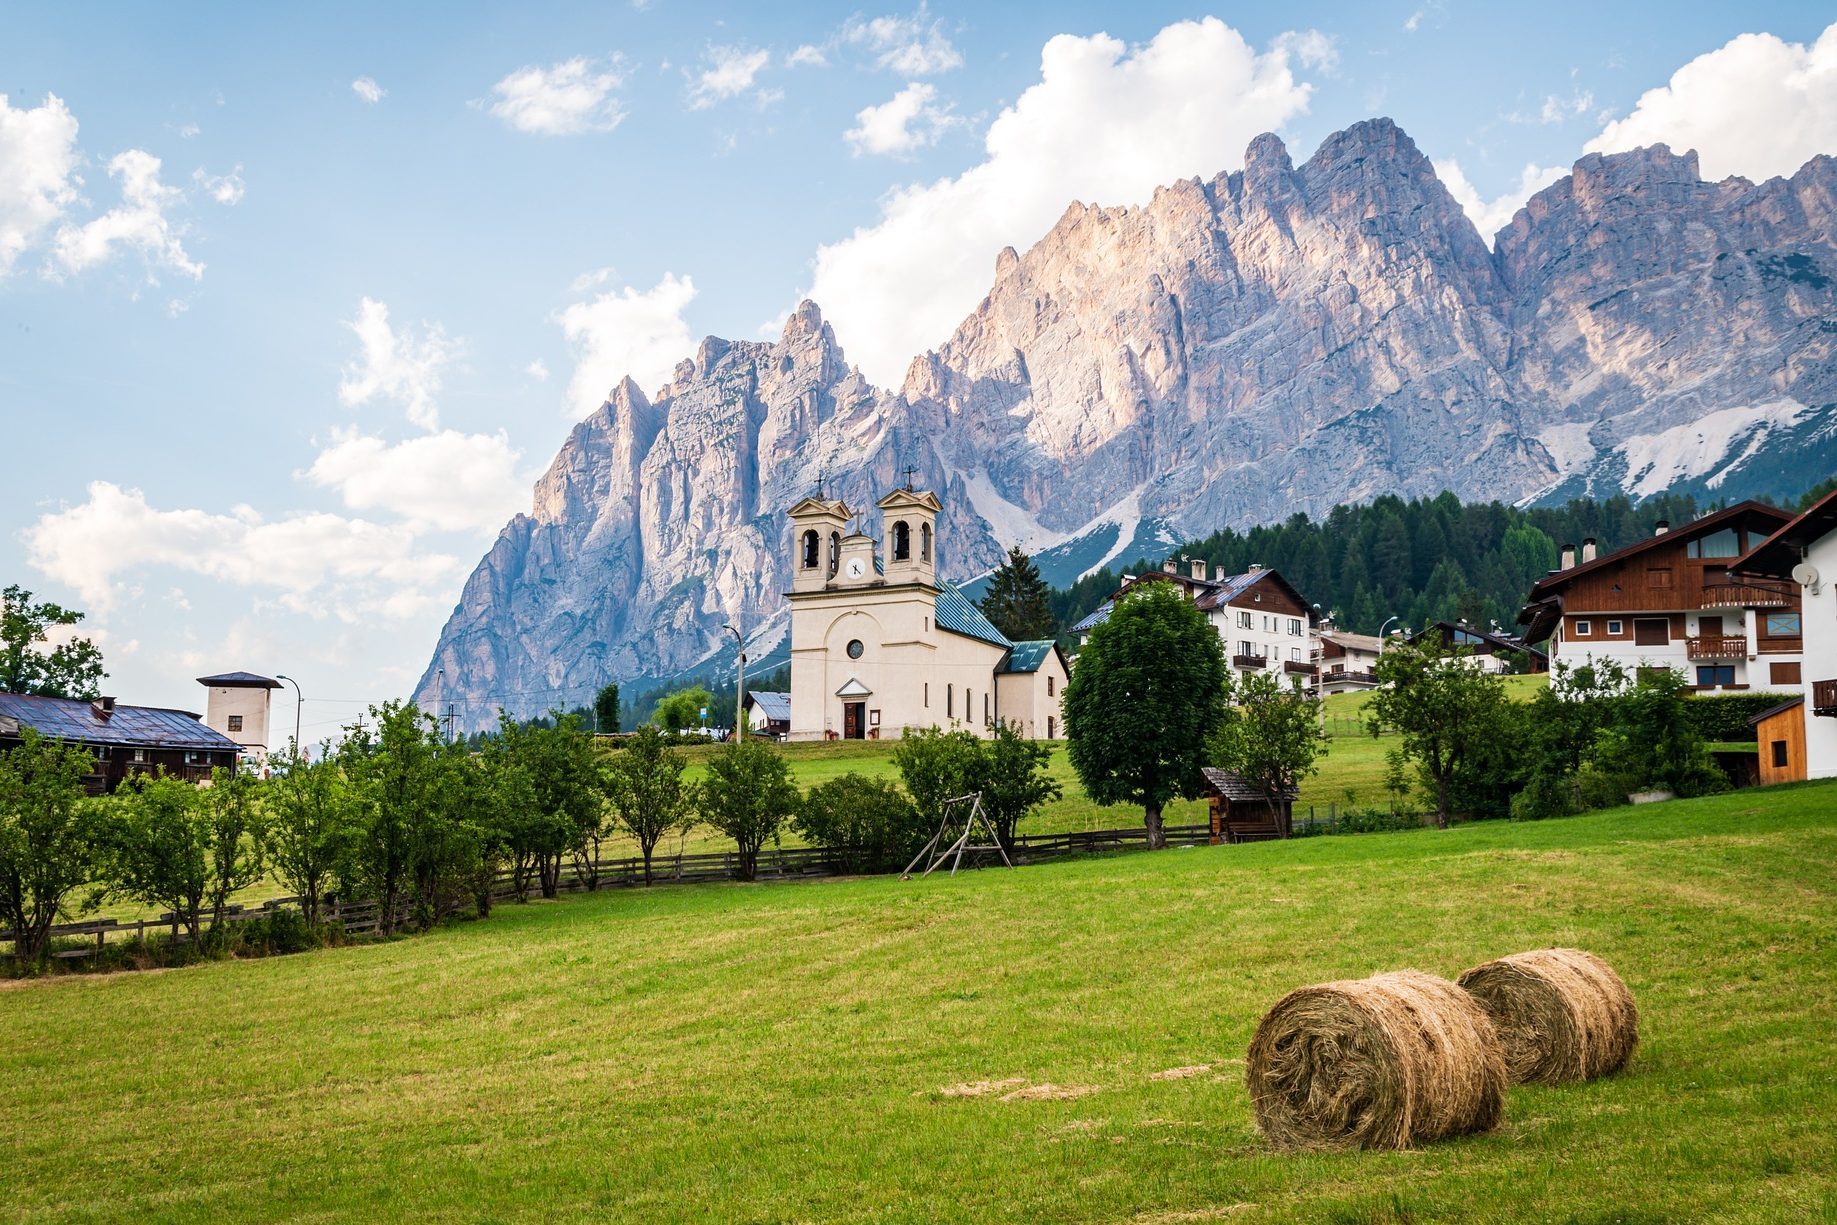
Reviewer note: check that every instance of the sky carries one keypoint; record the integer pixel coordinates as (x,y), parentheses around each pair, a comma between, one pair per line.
(297,301)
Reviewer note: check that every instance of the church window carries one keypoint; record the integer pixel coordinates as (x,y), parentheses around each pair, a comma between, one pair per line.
(811,550)
(950,701)
(924,542)
(927,695)
(902,541)
(1051,683)
(985,706)
(855,648)
(835,552)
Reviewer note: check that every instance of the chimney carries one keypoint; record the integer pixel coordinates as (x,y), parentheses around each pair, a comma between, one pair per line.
(1255,568)
(103,708)
(1568,558)
(1199,568)
(1588,550)
(1663,526)
(1170,566)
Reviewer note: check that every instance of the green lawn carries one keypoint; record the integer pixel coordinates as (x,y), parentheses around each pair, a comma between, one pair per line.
(782,1052)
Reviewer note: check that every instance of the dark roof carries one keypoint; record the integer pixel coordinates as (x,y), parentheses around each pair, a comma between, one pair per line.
(1780,708)
(776,707)
(1233,787)
(144,726)
(1775,556)
(240,680)
(1211,593)
(1095,619)
(956,614)
(1028,656)
(1504,642)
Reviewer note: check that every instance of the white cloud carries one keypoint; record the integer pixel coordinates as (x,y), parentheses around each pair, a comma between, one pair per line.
(400,366)
(913,46)
(1491,216)
(807,56)
(367,89)
(641,334)
(189,131)
(1105,122)
(538,370)
(223,188)
(89,546)
(909,121)
(138,222)
(563,99)
(38,159)
(1309,48)
(1757,106)
(445,481)
(730,73)
(1559,109)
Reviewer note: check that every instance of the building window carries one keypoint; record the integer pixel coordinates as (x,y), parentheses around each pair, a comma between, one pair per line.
(1583,629)
(902,541)
(1726,543)
(927,695)
(810,550)
(1615,629)
(835,552)
(1052,685)
(1052,728)
(985,706)
(1294,626)
(1294,655)
(950,701)
(1784,673)
(235,723)
(1779,754)
(855,648)
(1782,625)
(924,542)
(969,702)
(140,755)
(1651,631)
(1243,619)
(1710,676)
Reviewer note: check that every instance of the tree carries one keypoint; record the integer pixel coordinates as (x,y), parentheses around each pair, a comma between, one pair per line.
(234,832)
(606,710)
(50,839)
(396,767)
(1013,780)
(1449,713)
(683,709)
(564,787)
(644,783)
(161,847)
(71,669)
(310,823)
(937,766)
(1271,737)
(1018,601)
(1145,699)
(866,824)
(748,795)
(1653,743)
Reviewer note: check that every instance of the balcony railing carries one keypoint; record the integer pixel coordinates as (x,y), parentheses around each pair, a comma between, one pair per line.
(1252,662)
(1297,667)
(1716,646)
(1350,676)
(1824,697)
(1756,593)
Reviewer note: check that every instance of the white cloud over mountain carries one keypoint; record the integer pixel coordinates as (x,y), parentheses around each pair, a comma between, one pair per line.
(908,121)
(1104,122)
(1491,216)
(445,481)
(633,332)
(565,99)
(402,366)
(367,89)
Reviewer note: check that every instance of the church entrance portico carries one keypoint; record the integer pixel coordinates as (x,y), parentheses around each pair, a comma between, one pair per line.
(854,697)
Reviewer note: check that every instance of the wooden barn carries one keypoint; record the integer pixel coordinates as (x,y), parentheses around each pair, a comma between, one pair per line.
(1241,812)
(1780,731)
(123,739)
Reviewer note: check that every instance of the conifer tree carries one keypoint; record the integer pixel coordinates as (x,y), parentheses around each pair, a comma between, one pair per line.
(1017,600)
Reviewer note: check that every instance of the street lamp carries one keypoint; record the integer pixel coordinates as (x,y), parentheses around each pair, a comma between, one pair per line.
(1381,629)
(739,683)
(297,700)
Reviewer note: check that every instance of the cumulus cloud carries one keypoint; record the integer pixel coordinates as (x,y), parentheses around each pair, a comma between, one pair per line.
(910,120)
(38,160)
(367,89)
(88,547)
(402,366)
(729,72)
(1491,216)
(563,99)
(1757,106)
(913,45)
(807,56)
(1105,122)
(138,223)
(225,189)
(626,332)
(445,481)
(538,370)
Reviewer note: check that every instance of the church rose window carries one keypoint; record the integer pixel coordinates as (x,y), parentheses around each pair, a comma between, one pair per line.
(855,648)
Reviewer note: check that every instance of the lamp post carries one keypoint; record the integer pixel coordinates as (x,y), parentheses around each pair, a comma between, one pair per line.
(739,683)
(1381,629)
(297,700)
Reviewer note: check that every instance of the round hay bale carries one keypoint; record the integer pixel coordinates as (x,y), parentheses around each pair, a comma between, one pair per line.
(1384,1062)
(1563,1014)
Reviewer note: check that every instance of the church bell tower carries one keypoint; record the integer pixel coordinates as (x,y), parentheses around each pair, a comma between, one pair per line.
(909,518)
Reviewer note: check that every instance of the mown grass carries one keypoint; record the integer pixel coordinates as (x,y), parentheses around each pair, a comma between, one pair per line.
(778,1052)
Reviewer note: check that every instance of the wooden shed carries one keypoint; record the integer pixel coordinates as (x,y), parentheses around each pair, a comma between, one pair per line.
(1781,733)
(1244,813)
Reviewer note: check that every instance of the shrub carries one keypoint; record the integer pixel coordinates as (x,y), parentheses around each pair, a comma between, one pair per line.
(866,824)
(1724,716)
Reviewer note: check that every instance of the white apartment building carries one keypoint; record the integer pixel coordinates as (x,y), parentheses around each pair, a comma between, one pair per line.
(1803,554)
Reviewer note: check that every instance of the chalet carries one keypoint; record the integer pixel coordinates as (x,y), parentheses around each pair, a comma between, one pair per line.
(1801,555)
(1264,622)
(1489,652)
(1348,662)
(124,740)
(1670,601)
(767,713)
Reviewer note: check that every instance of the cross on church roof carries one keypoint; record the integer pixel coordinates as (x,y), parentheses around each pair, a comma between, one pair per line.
(910,472)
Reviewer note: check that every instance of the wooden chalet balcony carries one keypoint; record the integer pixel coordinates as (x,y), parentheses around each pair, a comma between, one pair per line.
(1252,662)
(1716,646)
(1824,697)
(1296,667)
(1350,676)
(1756,593)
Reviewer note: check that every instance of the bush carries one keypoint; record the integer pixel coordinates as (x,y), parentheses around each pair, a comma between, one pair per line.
(867,824)
(282,930)
(1545,796)
(1724,716)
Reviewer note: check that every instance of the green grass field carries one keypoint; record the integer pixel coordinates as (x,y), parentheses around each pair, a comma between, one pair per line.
(785,1052)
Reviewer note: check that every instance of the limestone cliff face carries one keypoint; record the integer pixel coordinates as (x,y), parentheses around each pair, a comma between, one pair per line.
(1277,339)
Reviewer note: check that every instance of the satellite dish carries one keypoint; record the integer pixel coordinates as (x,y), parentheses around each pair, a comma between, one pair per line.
(1806,575)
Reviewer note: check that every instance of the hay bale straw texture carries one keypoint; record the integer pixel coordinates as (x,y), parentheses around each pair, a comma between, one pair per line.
(1563,1014)
(1390,1061)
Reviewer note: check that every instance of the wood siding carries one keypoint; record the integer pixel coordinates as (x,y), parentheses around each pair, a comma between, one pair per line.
(1787,727)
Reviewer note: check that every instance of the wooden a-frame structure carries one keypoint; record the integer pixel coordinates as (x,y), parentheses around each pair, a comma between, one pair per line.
(942,846)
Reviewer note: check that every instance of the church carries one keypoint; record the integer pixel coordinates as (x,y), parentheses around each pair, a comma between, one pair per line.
(879,645)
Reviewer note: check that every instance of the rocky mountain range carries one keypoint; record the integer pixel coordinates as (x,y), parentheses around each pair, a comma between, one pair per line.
(1275,339)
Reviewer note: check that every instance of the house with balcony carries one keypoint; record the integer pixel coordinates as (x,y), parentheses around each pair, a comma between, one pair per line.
(1488,651)
(1802,557)
(1348,662)
(1265,624)
(1674,601)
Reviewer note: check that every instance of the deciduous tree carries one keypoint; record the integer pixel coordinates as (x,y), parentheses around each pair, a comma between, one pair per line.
(866,824)
(310,824)
(1271,736)
(1013,780)
(161,848)
(29,663)
(1449,714)
(748,795)
(644,783)
(50,840)
(683,709)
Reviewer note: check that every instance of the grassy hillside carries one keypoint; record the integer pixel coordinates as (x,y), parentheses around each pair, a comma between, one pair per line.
(789,1052)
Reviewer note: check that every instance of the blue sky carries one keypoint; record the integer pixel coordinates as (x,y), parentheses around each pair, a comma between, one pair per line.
(269,399)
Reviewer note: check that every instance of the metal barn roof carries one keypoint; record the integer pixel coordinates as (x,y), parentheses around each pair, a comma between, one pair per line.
(959,616)
(1027,656)
(73,719)
(774,706)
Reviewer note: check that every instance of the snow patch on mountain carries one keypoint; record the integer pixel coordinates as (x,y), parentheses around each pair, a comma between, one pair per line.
(1655,462)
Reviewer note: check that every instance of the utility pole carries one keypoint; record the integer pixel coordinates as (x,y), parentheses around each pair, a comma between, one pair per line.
(739,683)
